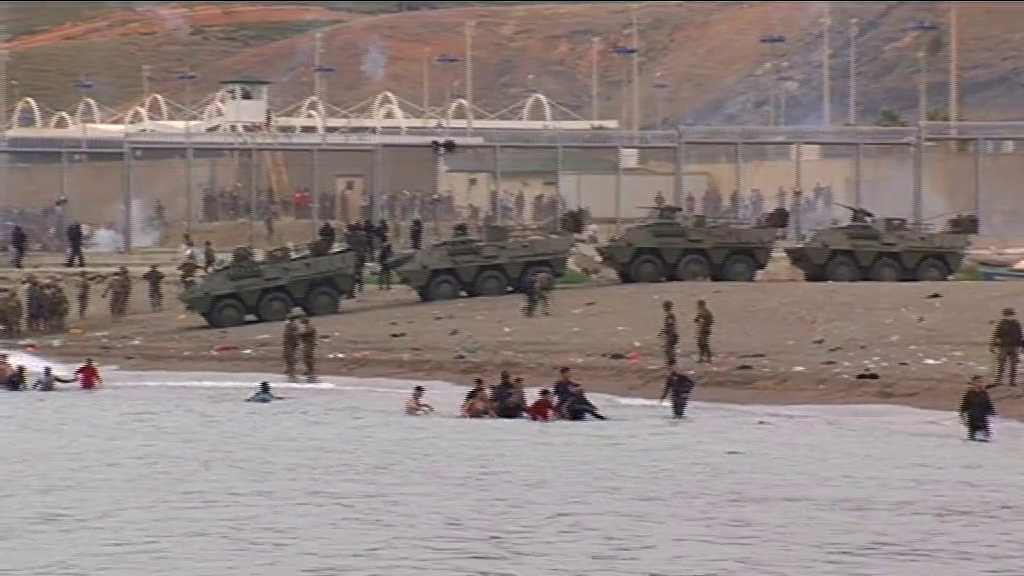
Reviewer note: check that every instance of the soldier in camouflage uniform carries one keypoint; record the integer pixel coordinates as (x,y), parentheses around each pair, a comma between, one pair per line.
(34,303)
(669,334)
(290,346)
(119,291)
(1005,344)
(308,339)
(154,283)
(10,313)
(187,273)
(83,287)
(538,289)
(60,308)
(704,323)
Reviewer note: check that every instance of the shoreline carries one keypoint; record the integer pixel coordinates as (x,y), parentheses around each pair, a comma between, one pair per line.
(776,343)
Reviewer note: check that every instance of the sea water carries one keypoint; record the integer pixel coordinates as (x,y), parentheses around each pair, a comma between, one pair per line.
(173,474)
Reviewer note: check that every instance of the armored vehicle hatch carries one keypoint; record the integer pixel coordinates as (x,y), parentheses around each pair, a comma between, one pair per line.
(270,289)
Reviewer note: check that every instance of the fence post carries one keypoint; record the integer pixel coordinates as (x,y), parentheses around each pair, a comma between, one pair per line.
(127,155)
(253,185)
(979,147)
(316,190)
(377,191)
(559,176)
(190,187)
(858,176)
(618,185)
(679,177)
(738,171)
(435,198)
(798,189)
(494,197)
(917,198)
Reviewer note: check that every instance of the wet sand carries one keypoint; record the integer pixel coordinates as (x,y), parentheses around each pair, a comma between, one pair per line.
(777,342)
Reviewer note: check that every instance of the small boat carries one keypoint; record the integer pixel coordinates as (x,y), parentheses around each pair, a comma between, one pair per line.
(1001,274)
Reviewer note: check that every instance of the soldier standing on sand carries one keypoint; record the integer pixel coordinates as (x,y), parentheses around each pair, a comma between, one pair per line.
(705,322)
(119,291)
(10,317)
(384,260)
(538,288)
(154,278)
(1005,344)
(290,346)
(669,334)
(308,339)
(61,307)
(34,303)
(83,286)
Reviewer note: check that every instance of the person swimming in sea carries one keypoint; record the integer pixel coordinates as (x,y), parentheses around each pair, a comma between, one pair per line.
(47,381)
(263,394)
(415,406)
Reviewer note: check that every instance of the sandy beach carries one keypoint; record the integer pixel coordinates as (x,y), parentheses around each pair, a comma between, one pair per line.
(776,342)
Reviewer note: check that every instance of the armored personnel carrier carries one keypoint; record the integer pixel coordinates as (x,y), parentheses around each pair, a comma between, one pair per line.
(499,262)
(883,250)
(669,245)
(271,288)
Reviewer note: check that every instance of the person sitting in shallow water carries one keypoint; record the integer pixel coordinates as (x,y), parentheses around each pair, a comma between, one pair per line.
(415,406)
(506,400)
(263,394)
(578,406)
(477,404)
(17,380)
(47,381)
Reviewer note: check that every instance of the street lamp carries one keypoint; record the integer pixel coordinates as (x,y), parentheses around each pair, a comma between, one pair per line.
(851,113)
(631,53)
(188,77)
(659,86)
(921,28)
(774,43)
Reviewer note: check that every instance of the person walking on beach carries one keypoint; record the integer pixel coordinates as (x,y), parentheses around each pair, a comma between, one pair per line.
(308,338)
(1005,344)
(976,409)
(705,322)
(669,333)
(290,346)
(678,387)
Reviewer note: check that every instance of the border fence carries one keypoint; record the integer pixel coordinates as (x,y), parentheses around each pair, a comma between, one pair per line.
(140,184)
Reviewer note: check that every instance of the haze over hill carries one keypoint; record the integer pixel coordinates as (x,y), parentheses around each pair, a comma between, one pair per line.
(707,53)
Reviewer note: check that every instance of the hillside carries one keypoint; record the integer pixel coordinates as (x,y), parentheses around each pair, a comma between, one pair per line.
(708,53)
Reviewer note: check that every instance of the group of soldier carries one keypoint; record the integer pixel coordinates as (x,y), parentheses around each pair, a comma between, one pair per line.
(45,305)
(299,338)
(704,323)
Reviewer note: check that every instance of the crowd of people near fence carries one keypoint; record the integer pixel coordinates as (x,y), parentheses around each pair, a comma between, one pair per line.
(814,206)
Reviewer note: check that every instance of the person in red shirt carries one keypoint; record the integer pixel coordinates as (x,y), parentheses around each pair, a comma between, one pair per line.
(543,409)
(88,375)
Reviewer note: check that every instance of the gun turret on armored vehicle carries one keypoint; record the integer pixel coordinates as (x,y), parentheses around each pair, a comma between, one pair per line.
(883,250)
(495,264)
(669,245)
(271,288)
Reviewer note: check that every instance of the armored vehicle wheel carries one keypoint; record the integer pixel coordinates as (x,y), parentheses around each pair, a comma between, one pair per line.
(442,287)
(931,270)
(693,267)
(226,313)
(321,301)
(274,307)
(739,268)
(886,270)
(647,269)
(842,269)
(490,283)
